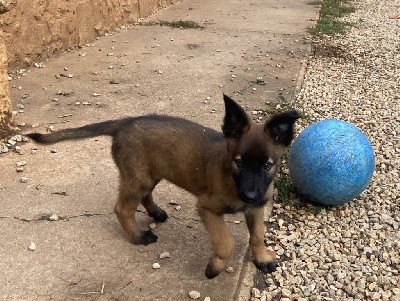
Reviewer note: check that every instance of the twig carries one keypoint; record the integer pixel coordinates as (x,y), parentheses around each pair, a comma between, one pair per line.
(95,292)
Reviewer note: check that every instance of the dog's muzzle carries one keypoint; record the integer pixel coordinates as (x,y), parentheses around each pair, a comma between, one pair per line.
(251,197)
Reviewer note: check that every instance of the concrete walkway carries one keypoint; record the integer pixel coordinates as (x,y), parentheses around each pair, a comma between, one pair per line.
(85,255)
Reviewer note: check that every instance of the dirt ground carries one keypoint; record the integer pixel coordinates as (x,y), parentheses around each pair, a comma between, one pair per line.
(250,50)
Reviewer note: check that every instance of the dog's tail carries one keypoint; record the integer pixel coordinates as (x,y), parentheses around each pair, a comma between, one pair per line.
(105,128)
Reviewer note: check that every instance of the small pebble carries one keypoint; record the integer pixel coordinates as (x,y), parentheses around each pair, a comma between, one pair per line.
(229,270)
(164,255)
(156,265)
(32,246)
(152,226)
(24,180)
(19,150)
(54,217)
(255,292)
(194,294)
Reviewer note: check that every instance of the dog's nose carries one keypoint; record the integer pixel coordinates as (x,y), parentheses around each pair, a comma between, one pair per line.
(251,195)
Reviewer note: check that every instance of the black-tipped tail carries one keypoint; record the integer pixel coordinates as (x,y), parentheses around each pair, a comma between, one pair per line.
(36,137)
(106,128)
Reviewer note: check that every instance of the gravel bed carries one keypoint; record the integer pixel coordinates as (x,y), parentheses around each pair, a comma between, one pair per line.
(348,252)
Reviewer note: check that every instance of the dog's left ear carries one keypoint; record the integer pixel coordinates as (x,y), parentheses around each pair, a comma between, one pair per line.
(281,127)
(236,121)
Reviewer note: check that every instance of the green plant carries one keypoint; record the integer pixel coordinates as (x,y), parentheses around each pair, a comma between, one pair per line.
(285,187)
(331,11)
(315,209)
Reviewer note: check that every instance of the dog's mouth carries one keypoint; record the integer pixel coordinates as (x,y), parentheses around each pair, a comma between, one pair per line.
(248,200)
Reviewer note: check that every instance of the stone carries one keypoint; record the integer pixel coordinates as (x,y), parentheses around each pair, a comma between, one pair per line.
(53,217)
(164,255)
(194,294)
(255,292)
(152,226)
(32,246)
(229,270)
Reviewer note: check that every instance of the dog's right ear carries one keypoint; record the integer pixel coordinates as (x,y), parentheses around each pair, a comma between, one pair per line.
(281,127)
(236,121)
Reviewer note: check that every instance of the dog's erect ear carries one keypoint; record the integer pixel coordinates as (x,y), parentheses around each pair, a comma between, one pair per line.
(236,121)
(281,127)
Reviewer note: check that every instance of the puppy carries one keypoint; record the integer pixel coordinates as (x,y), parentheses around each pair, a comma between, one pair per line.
(228,172)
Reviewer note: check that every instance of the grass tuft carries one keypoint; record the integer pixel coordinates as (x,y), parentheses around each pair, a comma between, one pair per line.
(331,11)
(285,188)
(176,24)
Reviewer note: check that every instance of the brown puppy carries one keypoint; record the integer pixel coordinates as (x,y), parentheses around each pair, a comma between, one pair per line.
(229,172)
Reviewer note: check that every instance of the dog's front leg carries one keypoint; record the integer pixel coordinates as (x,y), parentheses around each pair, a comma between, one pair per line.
(220,239)
(263,259)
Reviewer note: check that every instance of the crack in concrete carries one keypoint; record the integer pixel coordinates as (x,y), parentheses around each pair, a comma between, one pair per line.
(67,218)
(59,218)
(86,215)
(120,290)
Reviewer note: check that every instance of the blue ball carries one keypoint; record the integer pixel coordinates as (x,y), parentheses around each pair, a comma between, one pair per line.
(331,162)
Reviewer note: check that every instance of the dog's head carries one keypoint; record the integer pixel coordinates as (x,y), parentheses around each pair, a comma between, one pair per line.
(255,149)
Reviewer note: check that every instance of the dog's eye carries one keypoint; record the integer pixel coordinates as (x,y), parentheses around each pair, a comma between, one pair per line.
(267,166)
(239,163)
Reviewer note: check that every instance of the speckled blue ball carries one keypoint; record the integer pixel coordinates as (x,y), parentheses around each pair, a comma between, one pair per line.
(331,162)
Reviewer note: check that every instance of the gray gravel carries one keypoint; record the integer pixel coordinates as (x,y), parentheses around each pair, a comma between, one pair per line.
(349,252)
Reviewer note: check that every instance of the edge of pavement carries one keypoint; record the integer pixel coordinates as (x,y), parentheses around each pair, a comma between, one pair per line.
(248,270)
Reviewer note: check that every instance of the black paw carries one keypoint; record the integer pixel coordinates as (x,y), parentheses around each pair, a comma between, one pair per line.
(211,272)
(148,237)
(159,216)
(266,267)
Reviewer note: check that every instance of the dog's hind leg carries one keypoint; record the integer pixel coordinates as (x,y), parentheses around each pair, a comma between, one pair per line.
(131,193)
(153,210)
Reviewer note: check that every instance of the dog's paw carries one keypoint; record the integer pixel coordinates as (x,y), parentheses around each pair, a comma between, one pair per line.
(211,272)
(147,237)
(159,216)
(266,267)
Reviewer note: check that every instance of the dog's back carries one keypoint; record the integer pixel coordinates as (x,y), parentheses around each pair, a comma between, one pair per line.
(154,147)
(165,147)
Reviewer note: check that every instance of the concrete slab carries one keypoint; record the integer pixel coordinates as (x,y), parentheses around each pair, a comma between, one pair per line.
(158,70)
